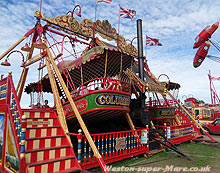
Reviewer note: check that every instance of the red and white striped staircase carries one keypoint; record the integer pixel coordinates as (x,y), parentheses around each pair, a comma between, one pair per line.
(47,148)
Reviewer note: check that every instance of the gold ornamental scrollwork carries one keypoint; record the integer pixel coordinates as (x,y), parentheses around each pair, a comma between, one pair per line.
(105,30)
(87,28)
(64,21)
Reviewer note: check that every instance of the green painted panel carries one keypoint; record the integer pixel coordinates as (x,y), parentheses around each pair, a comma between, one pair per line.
(99,100)
(163,112)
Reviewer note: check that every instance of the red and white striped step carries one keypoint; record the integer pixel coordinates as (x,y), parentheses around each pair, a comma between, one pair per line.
(47,147)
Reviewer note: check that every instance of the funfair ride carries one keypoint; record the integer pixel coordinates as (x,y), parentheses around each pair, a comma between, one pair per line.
(93,121)
(205,113)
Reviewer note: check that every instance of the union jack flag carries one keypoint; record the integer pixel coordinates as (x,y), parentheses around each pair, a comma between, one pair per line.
(152,42)
(127,13)
(106,1)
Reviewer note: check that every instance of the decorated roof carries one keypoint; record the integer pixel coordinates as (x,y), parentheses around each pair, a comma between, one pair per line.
(92,63)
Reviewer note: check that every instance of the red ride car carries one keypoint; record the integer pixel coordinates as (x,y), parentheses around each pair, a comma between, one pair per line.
(213,128)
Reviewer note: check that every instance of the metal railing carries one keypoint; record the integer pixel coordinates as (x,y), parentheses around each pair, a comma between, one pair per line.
(102,84)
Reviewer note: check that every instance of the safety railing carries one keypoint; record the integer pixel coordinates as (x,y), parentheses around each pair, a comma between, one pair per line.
(160,103)
(102,84)
(177,134)
(18,122)
(113,146)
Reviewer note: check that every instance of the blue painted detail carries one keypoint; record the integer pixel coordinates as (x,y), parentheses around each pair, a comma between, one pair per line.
(22,149)
(19,130)
(102,146)
(16,123)
(129,142)
(106,146)
(132,142)
(3,88)
(98,146)
(135,142)
(89,151)
(79,153)
(84,149)
(139,140)
(109,144)
(23,136)
(15,117)
(147,138)
(187,133)
(113,144)
(3,96)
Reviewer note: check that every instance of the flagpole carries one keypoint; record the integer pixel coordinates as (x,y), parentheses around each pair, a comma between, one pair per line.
(118,23)
(119,18)
(95,9)
(94,21)
(145,49)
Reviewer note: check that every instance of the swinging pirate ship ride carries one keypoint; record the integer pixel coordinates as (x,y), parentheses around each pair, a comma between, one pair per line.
(92,94)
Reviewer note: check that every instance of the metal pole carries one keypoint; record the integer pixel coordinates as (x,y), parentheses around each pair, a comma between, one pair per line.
(140,57)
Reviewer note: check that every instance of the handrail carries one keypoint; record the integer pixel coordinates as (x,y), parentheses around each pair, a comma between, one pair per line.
(108,133)
(16,97)
(19,124)
(13,131)
(190,115)
(113,146)
(102,84)
(155,103)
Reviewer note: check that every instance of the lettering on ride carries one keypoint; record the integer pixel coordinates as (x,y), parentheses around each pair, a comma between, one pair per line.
(120,143)
(178,132)
(111,99)
(81,105)
(37,122)
(155,88)
(167,112)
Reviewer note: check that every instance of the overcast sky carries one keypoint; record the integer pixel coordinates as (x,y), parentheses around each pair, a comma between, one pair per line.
(175,23)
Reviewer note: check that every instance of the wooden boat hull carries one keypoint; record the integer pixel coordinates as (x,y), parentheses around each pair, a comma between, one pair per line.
(99,105)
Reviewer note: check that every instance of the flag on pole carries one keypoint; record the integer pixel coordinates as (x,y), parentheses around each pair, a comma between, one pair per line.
(106,1)
(127,13)
(152,42)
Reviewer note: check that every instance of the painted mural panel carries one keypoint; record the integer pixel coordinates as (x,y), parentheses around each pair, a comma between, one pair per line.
(11,160)
(2,119)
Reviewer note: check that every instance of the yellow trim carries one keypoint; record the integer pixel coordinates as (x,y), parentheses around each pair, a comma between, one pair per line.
(3,91)
(131,72)
(106,62)
(121,64)
(8,164)
(81,76)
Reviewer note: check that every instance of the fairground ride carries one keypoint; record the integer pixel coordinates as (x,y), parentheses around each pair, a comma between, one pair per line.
(92,91)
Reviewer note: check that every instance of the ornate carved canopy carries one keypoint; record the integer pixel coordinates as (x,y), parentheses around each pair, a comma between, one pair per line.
(87,28)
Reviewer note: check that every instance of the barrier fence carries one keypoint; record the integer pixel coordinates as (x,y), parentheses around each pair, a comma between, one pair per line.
(113,146)
(177,134)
